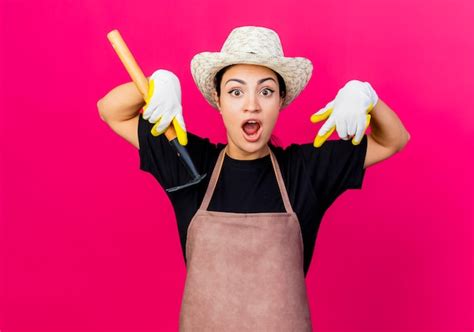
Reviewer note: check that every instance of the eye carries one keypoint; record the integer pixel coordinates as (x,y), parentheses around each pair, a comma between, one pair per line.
(236,94)
(267,92)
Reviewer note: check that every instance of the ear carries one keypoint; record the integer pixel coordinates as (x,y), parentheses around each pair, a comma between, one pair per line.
(216,100)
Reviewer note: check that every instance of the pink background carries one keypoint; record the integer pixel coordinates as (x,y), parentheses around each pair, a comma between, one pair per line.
(89,242)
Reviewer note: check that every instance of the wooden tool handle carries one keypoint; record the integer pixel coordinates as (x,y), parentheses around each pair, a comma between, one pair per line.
(134,70)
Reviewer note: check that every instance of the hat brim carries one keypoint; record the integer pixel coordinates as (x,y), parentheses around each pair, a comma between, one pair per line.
(295,71)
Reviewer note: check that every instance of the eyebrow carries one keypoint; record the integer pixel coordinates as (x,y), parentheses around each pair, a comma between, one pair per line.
(243,82)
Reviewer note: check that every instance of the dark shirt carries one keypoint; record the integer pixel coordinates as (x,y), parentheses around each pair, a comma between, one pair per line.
(314,178)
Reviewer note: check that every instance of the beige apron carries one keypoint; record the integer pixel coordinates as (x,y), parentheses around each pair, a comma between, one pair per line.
(244,270)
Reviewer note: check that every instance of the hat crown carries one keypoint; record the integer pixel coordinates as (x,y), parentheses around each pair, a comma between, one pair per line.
(255,40)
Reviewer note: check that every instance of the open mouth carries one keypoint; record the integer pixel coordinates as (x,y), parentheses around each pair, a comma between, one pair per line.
(252,130)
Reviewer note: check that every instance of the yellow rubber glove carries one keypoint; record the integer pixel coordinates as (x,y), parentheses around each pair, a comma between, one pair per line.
(348,113)
(163,105)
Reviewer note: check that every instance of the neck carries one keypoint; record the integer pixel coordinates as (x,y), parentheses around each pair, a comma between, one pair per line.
(239,154)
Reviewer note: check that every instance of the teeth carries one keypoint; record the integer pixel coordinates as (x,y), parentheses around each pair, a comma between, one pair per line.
(251,121)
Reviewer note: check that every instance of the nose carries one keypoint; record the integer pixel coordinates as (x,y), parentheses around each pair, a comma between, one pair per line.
(253,104)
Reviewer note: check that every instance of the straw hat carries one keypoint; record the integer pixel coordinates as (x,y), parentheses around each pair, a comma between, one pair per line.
(251,45)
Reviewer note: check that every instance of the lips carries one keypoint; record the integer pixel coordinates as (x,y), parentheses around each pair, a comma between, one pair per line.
(252,129)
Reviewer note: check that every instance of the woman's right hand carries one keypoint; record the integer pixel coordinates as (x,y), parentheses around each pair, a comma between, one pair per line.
(163,104)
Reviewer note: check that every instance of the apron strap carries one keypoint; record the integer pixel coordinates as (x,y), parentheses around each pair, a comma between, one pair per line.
(213,181)
(217,170)
(281,183)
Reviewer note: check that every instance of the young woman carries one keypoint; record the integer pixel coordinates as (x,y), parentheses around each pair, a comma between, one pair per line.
(248,230)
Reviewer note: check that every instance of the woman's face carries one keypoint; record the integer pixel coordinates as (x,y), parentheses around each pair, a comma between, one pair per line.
(249,103)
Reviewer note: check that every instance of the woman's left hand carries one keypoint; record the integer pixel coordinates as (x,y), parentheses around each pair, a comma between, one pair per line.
(347,113)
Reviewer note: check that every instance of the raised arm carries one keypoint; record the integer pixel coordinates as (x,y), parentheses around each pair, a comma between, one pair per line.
(388,135)
(120,110)
(351,112)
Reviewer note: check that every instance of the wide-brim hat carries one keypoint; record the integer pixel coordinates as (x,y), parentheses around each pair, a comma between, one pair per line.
(251,45)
